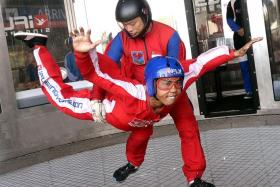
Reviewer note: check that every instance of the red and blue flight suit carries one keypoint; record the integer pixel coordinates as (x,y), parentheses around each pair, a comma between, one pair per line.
(134,53)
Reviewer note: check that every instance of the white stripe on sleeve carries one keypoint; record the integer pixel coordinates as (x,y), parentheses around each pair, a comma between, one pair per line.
(137,91)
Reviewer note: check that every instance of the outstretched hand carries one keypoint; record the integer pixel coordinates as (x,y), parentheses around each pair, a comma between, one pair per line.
(81,40)
(242,51)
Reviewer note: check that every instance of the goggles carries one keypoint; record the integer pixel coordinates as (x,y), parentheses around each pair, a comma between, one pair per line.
(168,83)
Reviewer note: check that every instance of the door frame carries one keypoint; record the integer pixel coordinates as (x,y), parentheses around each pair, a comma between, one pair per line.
(190,16)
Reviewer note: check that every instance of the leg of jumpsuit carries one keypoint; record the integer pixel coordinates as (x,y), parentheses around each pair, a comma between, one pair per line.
(139,137)
(61,95)
(137,144)
(187,126)
(239,42)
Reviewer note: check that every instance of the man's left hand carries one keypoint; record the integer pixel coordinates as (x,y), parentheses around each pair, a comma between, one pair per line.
(244,49)
(82,41)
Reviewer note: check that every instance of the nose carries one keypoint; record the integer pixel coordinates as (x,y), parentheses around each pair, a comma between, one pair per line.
(173,88)
(128,28)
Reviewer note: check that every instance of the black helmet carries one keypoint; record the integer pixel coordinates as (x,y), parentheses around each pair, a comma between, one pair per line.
(127,10)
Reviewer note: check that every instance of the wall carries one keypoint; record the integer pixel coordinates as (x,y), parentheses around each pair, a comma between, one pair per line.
(28,130)
(8,130)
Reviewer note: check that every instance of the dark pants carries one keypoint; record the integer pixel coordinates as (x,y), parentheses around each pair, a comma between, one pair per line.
(240,41)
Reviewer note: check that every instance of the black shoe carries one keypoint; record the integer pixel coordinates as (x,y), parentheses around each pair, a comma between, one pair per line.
(32,39)
(248,95)
(200,183)
(122,173)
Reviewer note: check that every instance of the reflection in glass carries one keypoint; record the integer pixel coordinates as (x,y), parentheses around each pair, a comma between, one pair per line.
(212,31)
(41,16)
(272,21)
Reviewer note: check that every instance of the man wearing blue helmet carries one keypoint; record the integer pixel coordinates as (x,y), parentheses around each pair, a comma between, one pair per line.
(129,105)
(140,39)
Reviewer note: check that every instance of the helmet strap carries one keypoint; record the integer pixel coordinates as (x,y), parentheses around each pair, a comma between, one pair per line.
(155,88)
(156,97)
(147,25)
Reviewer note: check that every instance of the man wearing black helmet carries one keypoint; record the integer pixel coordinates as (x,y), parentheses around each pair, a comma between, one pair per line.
(142,38)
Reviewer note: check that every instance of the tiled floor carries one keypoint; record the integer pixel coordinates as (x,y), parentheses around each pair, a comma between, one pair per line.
(235,157)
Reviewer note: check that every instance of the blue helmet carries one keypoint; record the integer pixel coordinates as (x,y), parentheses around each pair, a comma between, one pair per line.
(159,67)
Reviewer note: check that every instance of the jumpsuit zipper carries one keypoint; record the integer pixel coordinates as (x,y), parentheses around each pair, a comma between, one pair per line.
(146,50)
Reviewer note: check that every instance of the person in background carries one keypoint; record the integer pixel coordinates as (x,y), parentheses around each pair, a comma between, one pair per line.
(235,22)
(70,63)
(31,71)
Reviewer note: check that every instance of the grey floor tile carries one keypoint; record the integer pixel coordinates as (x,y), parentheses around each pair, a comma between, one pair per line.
(37,175)
(235,157)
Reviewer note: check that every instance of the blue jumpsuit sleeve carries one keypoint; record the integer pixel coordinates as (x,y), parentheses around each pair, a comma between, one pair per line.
(230,19)
(115,51)
(173,46)
(234,27)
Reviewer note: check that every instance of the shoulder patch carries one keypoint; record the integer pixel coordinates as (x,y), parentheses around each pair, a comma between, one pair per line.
(138,57)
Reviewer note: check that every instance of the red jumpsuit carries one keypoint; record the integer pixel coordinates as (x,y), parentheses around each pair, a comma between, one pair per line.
(126,101)
(134,53)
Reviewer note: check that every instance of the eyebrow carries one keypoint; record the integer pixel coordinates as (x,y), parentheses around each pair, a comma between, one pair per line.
(129,22)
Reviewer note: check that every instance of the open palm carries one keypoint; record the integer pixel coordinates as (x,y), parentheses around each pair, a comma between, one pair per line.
(81,40)
(244,49)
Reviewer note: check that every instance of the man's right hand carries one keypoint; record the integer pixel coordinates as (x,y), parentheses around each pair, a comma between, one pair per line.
(98,111)
(82,41)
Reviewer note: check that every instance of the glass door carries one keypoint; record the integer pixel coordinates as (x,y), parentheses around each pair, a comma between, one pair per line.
(221,92)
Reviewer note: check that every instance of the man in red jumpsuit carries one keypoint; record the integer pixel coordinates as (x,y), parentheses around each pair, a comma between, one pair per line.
(140,40)
(129,105)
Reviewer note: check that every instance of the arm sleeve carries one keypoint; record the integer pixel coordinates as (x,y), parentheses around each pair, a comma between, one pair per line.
(115,49)
(230,19)
(96,93)
(205,62)
(104,73)
(233,26)
(173,47)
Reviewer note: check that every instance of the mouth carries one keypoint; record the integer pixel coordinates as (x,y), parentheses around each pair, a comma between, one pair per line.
(133,34)
(171,97)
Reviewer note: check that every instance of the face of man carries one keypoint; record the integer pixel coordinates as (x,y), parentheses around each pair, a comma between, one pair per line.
(168,89)
(134,27)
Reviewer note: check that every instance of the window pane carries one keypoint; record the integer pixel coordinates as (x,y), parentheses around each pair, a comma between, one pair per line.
(272,19)
(212,30)
(41,16)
